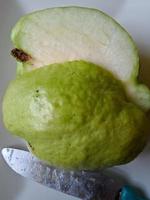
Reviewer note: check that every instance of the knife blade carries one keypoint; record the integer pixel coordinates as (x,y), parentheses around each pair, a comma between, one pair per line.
(86,185)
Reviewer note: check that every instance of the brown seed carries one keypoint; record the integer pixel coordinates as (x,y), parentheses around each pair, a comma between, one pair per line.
(20,55)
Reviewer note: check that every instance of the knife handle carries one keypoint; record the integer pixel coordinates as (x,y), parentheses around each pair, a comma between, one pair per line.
(127,193)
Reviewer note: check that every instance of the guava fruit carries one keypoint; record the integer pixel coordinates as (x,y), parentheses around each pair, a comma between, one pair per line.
(62,34)
(75,115)
(76,99)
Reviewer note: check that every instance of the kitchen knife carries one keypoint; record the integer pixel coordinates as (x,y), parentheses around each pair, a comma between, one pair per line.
(86,185)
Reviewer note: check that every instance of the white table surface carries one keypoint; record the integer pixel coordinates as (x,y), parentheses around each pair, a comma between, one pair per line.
(134,15)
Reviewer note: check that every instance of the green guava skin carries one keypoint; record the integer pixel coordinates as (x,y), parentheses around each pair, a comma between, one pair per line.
(75,115)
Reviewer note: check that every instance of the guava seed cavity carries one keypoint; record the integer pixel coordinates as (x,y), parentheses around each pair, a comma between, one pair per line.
(20,55)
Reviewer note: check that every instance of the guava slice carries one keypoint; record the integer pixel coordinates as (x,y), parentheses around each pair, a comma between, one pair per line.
(63,34)
(75,115)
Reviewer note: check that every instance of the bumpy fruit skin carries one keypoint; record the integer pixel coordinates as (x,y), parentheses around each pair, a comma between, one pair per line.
(75,115)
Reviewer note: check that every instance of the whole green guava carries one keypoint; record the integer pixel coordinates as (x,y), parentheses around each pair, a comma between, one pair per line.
(75,115)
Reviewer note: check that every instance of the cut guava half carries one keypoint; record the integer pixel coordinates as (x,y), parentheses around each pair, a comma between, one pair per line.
(56,35)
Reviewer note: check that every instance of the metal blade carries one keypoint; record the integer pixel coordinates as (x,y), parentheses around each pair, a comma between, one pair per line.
(86,185)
